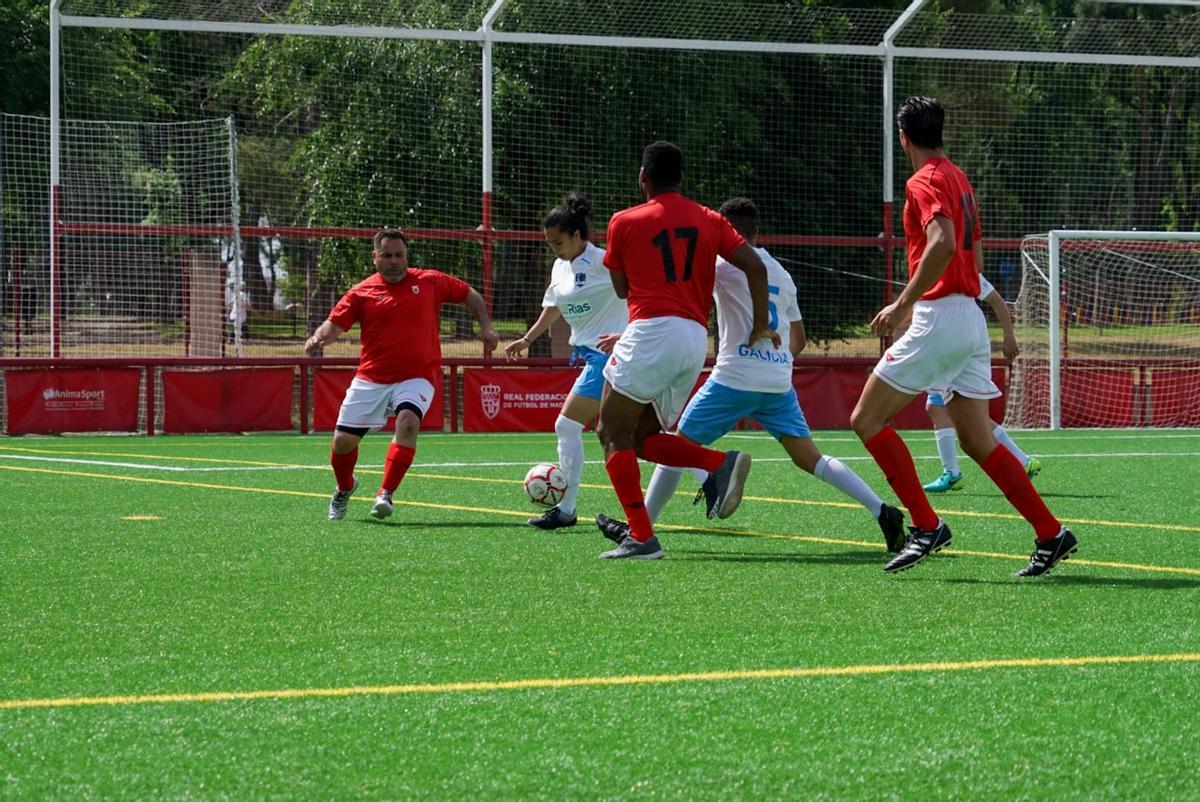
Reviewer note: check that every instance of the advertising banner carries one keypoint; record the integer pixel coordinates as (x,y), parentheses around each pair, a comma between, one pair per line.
(56,400)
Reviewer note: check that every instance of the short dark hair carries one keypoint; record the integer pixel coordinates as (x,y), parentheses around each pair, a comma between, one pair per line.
(571,215)
(742,214)
(921,119)
(663,163)
(390,233)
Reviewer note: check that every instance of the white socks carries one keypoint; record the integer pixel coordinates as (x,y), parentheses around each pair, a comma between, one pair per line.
(663,485)
(947,446)
(1003,439)
(570,459)
(835,472)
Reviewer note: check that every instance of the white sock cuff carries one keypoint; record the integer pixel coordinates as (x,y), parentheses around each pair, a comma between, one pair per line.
(942,433)
(566,426)
(819,468)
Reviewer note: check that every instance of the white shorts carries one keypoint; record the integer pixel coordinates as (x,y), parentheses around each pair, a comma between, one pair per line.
(367,405)
(946,349)
(657,361)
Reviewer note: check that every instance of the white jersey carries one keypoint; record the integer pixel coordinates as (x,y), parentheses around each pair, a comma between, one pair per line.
(582,290)
(759,367)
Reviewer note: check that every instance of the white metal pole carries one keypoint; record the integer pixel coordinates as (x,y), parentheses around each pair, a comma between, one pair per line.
(489,19)
(235,220)
(55,166)
(1055,340)
(889,78)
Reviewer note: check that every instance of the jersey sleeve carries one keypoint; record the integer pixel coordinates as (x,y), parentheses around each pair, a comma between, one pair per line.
(729,239)
(985,287)
(550,297)
(613,254)
(345,312)
(452,289)
(726,273)
(928,201)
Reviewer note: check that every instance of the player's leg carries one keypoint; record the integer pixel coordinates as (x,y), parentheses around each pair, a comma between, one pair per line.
(947,446)
(409,401)
(621,425)
(876,406)
(343,456)
(1054,541)
(364,408)
(577,411)
(1032,466)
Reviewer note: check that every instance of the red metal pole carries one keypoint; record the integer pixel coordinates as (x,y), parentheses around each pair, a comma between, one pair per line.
(453,398)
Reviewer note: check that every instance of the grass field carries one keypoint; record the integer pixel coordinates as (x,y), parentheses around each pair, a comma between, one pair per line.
(181,621)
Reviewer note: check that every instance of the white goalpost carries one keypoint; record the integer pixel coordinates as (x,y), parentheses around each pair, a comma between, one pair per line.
(1109,323)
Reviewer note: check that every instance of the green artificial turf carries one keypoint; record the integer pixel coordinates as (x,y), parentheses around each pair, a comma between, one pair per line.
(203,569)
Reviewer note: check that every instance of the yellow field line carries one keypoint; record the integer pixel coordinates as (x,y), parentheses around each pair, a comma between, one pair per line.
(514,514)
(545,683)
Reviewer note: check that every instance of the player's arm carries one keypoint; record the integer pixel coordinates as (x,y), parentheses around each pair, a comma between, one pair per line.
(939,249)
(326,333)
(746,260)
(620,283)
(797,338)
(478,309)
(1000,309)
(545,320)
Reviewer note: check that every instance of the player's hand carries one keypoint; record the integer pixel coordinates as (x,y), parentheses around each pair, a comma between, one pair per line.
(490,339)
(765,333)
(514,348)
(312,346)
(607,342)
(890,319)
(1010,347)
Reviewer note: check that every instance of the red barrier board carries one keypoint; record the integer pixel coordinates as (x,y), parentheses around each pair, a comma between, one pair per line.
(73,400)
(235,400)
(521,400)
(1174,400)
(329,388)
(1097,398)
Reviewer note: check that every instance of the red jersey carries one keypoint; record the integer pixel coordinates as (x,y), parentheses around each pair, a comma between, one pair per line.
(400,324)
(941,188)
(668,247)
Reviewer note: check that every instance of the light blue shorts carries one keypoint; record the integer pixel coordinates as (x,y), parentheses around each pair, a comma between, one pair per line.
(935,399)
(715,409)
(590,383)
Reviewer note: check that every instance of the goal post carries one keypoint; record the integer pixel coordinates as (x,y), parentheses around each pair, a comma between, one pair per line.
(1109,323)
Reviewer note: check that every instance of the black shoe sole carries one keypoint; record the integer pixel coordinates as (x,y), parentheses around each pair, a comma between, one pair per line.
(737,478)
(550,528)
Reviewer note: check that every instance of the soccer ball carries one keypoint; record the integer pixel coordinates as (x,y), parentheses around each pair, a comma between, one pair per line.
(546,484)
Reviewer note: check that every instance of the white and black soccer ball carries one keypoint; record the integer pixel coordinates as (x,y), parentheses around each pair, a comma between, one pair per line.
(545,484)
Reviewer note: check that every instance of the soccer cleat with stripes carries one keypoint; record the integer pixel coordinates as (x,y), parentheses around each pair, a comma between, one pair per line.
(1033,467)
(611,528)
(920,544)
(947,481)
(1048,553)
(382,508)
(340,502)
(891,523)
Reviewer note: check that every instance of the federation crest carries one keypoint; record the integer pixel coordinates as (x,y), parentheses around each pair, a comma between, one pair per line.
(580,279)
(489,394)
(416,289)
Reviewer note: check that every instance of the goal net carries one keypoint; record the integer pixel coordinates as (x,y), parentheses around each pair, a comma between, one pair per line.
(143,257)
(1109,325)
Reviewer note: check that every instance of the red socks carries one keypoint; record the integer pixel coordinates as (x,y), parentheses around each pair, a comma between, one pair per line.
(679,452)
(626,478)
(399,458)
(343,468)
(1008,474)
(896,462)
